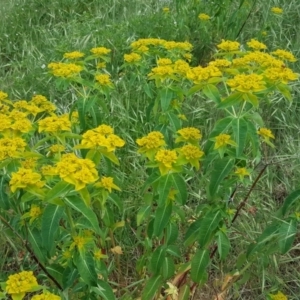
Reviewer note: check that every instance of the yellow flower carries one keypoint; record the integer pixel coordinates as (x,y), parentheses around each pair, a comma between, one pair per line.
(165,159)
(281,74)
(200,74)
(278,296)
(46,296)
(162,72)
(277,10)
(220,63)
(164,61)
(189,134)
(99,255)
(170,45)
(55,124)
(229,46)
(191,154)
(222,140)
(286,55)
(25,178)
(29,163)
(204,17)
(76,171)
(132,57)
(3,96)
(19,284)
(80,242)
(42,103)
(151,143)
(48,170)
(256,45)
(101,65)
(247,83)
(266,133)
(108,184)
(242,172)
(166,9)
(100,51)
(35,211)
(73,55)
(57,148)
(11,147)
(104,80)
(64,69)
(22,125)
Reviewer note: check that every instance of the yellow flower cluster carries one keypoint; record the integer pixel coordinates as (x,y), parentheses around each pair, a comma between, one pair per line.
(11,147)
(42,103)
(46,296)
(35,211)
(284,75)
(76,171)
(278,296)
(101,137)
(256,45)
(21,283)
(152,146)
(29,163)
(189,134)
(266,133)
(57,148)
(3,96)
(107,183)
(277,10)
(229,46)
(100,51)
(60,69)
(25,178)
(285,55)
(73,55)
(55,124)
(166,9)
(241,173)
(132,57)
(104,80)
(204,17)
(247,83)
(222,140)
(202,74)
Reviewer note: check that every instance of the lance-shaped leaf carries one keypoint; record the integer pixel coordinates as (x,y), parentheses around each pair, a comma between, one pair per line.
(287,234)
(104,290)
(161,218)
(223,244)
(240,128)
(50,223)
(152,287)
(157,259)
(164,187)
(86,267)
(180,186)
(198,266)
(290,200)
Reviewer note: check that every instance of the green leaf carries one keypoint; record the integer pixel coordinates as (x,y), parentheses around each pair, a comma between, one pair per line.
(151,288)
(175,122)
(198,266)
(285,91)
(69,277)
(290,200)
(221,126)
(104,290)
(56,271)
(194,89)
(164,187)
(223,245)
(192,233)
(162,217)
(209,223)
(77,204)
(174,250)
(252,131)
(287,234)
(61,189)
(221,168)
(240,128)
(212,92)
(249,97)
(231,100)
(179,185)
(50,223)
(166,95)
(86,267)
(172,233)
(4,200)
(35,239)
(151,180)
(184,292)
(168,268)
(157,259)
(142,214)
(269,234)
